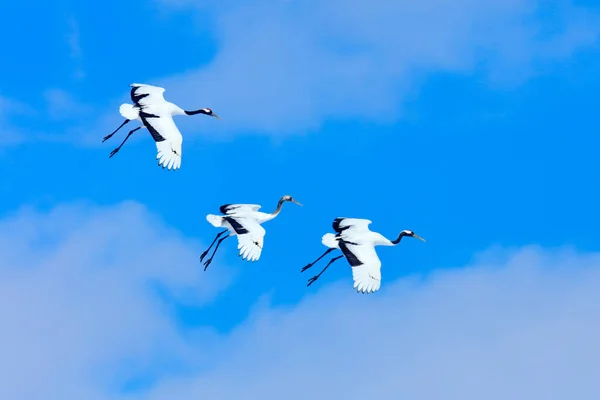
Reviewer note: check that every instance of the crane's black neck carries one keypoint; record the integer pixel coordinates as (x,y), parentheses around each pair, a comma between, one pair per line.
(278,209)
(400,236)
(194,112)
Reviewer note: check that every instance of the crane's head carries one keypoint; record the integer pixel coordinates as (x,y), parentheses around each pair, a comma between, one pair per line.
(210,112)
(205,111)
(410,233)
(289,198)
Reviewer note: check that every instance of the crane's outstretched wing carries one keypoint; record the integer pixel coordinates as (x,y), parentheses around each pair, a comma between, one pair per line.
(353,230)
(250,236)
(232,209)
(156,117)
(167,137)
(366,266)
(353,240)
(143,95)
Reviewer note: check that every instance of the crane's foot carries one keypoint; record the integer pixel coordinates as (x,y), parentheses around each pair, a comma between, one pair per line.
(112,153)
(307,267)
(311,280)
(203,255)
(107,137)
(207,263)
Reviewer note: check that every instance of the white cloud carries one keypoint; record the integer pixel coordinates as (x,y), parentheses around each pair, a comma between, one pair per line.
(285,67)
(61,105)
(73,39)
(522,328)
(11,134)
(74,45)
(80,317)
(80,310)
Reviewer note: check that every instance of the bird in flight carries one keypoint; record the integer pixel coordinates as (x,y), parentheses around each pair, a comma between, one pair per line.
(243,221)
(156,114)
(357,244)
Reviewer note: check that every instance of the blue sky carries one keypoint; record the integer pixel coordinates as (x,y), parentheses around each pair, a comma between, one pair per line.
(472,124)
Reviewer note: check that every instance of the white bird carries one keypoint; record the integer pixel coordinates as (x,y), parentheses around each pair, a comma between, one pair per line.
(243,221)
(357,244)
(156,114)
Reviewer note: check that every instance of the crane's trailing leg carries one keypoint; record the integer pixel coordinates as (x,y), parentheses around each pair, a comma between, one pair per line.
(207,262)
(314,278)
(115,131)
(314,262)
(112,153)
(211,245)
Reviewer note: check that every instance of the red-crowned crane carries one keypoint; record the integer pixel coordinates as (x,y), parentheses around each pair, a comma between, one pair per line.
(243,221)
(357,244)
(156,114)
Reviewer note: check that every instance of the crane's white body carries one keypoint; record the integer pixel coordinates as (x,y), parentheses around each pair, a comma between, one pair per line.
(243,221)
(156,114)
(357,243)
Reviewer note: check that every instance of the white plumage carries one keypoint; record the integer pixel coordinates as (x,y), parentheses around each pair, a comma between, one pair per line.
(243,221)
(156,114)
(357,243)
(129,112)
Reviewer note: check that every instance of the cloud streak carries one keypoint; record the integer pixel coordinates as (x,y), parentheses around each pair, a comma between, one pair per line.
(75,50)
(10,109)
(522,327)
(81,309)
(83,315)
(61,105)
(285,67)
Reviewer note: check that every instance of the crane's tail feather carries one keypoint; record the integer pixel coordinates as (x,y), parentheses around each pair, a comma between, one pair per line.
(215,220)
(128,111)
(330,241)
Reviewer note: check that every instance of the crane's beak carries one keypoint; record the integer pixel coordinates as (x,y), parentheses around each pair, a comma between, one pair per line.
(418,237)
(215,115)
(294,201)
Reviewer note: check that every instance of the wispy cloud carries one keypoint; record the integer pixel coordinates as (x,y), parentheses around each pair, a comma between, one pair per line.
(526,327)
(81,311)
(62,105)
(82,316)
(74,45)
(285,67)
(10,109)
(16,119)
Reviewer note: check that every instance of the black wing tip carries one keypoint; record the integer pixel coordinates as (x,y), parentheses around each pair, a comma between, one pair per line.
(224,208)
(336,224)
(153,132)
(352,259)
(237,227)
